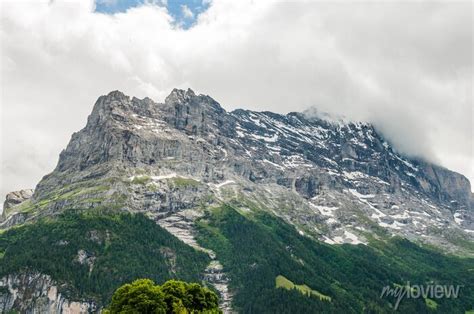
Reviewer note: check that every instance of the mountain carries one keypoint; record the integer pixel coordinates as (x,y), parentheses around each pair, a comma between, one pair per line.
(254,196)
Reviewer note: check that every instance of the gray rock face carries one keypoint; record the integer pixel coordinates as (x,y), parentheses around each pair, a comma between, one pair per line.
(196,132)
(335,181)
(140,155)
(36,294)
(14,199)
(17,197)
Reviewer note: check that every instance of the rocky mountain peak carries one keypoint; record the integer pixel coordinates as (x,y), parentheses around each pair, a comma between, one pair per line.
(179,96)
(188,147)
(117,95)
(105,106)
(194,114)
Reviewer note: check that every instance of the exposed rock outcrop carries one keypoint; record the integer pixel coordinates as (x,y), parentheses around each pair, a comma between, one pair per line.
(37,293)
(16,197)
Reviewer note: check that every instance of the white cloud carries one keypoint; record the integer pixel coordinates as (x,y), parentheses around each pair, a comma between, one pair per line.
(186,11)
(407,67)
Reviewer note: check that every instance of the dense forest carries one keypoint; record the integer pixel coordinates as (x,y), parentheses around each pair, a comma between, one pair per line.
(272,268)
(256,248)
(116,248)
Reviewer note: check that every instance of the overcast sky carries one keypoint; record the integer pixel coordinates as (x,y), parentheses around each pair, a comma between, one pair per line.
(406,67)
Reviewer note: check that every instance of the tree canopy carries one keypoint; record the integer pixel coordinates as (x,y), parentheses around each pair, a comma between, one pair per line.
(144,296)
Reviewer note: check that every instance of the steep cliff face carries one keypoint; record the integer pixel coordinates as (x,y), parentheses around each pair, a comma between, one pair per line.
(37,293)
(140,155)
(336,182)
(449,186)
(190,128)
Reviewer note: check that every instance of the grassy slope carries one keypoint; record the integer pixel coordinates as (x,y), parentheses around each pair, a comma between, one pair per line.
(256,249)
(283,282)
(125,247)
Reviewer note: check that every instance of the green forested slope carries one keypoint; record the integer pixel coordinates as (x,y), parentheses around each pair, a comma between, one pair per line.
(120,247)
(257,248)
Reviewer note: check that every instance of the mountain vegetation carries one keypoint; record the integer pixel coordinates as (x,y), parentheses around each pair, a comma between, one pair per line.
(174,297)
(93,252)
(258,248)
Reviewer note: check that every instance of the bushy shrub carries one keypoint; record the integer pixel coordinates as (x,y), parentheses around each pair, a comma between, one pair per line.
(143,296)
